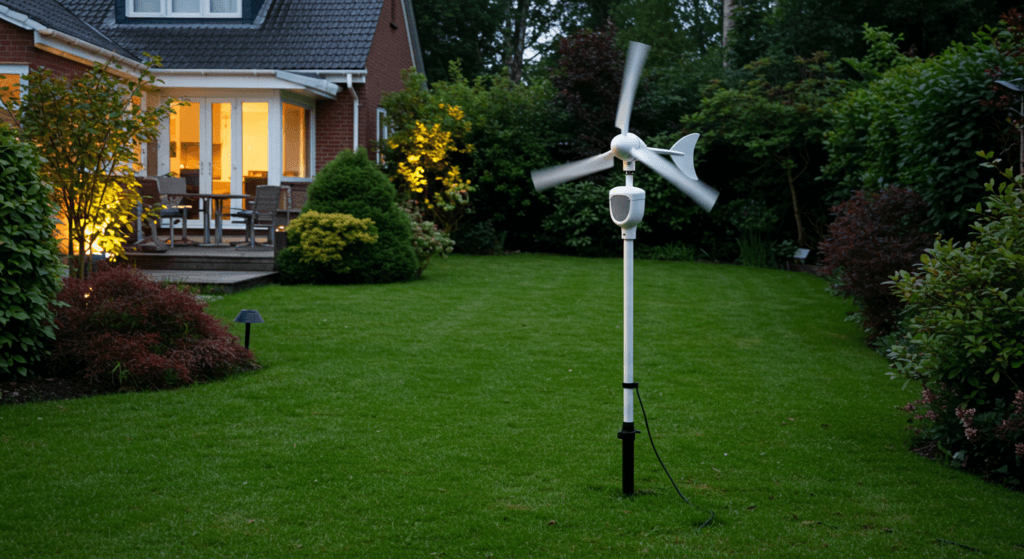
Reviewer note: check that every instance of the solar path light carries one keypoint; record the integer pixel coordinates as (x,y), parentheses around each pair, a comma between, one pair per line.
(626,204)
(247,317)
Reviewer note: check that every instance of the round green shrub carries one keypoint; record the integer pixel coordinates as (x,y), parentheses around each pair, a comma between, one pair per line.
(29,258)
(316,246)
(353,185)
(965,343)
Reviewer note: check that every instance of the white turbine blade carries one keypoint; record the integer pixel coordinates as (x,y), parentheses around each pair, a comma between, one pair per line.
(702,194)
(635,59)
(544,179)
(687,145)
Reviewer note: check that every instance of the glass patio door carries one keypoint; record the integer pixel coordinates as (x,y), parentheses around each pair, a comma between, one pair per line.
(203,147)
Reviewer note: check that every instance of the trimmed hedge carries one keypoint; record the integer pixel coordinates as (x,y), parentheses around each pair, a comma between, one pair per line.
(353,185)
(29,258)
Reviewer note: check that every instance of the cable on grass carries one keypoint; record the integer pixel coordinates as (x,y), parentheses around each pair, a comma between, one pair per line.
(651,438)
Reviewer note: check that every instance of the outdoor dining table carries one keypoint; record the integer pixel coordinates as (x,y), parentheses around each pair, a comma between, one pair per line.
(218,211)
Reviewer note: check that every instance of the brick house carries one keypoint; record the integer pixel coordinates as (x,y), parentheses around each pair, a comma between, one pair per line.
(276,88)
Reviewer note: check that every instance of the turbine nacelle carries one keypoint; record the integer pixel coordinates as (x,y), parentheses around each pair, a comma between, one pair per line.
(624,146)
(629,148)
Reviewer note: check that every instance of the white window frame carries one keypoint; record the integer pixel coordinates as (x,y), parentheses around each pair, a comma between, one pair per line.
(166,11)
(383,132)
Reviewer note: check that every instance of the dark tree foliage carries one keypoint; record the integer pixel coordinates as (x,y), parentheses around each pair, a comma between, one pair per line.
(1006,103)
(487,37)
(677,30)
(461,30)
(801,27)
(353,185)
(875,235)
(587,79)
(119,327)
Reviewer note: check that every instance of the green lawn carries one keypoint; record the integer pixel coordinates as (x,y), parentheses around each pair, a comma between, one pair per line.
(474,413)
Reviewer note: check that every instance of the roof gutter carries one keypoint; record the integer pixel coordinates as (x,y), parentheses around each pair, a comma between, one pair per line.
(92,53)
(56,42)
(319,87)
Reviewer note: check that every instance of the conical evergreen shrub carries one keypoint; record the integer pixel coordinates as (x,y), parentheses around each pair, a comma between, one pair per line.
(354,185)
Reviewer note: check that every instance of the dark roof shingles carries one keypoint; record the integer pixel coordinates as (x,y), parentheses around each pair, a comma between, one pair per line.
(56,16)
(295,35)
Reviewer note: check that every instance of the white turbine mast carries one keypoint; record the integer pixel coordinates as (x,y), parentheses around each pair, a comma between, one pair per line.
(626,204)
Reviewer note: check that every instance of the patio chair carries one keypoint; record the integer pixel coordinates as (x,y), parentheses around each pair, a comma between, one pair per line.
(293,202)
(150,197)
(172,191)
(263,215)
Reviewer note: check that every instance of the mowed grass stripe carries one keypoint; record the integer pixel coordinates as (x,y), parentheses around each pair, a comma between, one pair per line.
(474,413)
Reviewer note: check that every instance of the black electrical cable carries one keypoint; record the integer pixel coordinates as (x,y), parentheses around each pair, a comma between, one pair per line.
(651,438)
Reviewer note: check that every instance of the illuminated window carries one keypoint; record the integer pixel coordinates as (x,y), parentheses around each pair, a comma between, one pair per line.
(295,141)
(184,8)
(11,76)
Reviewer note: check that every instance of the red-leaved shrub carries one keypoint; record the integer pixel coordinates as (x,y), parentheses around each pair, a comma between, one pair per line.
(875,235)
(118,326)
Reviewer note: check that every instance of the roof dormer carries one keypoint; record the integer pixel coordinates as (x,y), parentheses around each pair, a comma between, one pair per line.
(161,11)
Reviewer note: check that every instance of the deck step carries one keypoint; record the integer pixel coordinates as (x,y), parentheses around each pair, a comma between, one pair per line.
(207,259)
(217,282)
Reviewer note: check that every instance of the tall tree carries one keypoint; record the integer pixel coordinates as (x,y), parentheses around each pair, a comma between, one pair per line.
(675,29)
(777,126)
(487,37)
(787,28)
(90,129)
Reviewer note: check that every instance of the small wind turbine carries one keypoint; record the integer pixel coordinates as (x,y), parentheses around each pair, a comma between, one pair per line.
(626,204)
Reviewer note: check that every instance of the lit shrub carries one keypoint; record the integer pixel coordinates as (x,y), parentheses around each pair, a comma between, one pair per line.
(354,185)
(316,245)
(965,345)
(427,240)
(874,235)
(29,261)
(119,327)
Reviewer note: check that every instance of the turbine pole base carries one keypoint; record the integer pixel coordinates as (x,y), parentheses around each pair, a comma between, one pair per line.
(628,436)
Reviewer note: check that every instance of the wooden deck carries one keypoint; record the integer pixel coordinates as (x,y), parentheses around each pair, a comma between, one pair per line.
(225,269)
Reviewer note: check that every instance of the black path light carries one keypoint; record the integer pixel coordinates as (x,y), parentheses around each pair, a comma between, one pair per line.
(1020,114)
(247,317)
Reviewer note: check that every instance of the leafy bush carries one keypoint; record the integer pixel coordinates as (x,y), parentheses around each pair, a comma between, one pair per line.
(919,125)
(580,222)
(427,240)
(510,127)
(316,242)
(479,238)
(122,328)
(875,235)
(352,184)
(671,251)
(29,262)
(966,314)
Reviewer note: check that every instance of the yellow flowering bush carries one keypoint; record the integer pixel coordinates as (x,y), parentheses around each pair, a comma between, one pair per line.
(426,164)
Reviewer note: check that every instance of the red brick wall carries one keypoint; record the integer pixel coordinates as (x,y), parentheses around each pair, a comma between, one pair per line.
(17,46)
(389,55)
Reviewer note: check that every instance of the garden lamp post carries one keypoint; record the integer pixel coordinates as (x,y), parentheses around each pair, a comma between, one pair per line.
(247,317)
(1020,113)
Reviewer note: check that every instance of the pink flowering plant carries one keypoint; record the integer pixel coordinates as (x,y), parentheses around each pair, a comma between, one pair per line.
(427,239)
(965,318)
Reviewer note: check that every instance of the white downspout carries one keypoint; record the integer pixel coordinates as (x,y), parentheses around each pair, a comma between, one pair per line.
(355,113)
